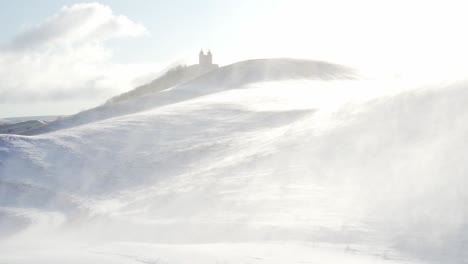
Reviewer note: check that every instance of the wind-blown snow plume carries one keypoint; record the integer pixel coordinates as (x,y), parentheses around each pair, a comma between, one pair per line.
(349,169)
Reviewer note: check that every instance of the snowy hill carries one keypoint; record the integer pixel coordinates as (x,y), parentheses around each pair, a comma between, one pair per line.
(14,120)
(175,76)
(20,125)
(279,161)
(223,78)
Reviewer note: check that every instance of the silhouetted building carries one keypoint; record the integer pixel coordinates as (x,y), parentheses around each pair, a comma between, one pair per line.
(205,64)
(205,60)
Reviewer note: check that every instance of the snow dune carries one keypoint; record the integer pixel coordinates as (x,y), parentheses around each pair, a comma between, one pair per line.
(264,164)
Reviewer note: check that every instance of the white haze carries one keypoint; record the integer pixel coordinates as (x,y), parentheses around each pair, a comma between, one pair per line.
(286,171)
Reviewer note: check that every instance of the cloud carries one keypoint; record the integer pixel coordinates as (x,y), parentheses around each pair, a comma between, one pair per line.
(79,23)
(65,57)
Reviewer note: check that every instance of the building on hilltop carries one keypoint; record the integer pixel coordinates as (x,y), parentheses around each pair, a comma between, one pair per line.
(175,76)
(206,60)
(205,65)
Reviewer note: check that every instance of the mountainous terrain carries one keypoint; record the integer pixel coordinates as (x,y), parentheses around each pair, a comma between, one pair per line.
(262,161)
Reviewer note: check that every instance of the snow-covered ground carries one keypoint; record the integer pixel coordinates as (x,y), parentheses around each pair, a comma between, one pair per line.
(236,169)
(13,120)
(20,125)
(19,128)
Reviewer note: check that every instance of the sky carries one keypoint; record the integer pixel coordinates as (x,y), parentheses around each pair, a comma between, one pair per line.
(58,57)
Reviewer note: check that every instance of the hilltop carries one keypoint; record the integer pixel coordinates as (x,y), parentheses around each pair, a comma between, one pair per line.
(184,83)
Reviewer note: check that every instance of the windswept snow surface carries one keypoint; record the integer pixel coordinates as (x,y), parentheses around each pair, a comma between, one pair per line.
(299,170)
(228,77)
(22,127)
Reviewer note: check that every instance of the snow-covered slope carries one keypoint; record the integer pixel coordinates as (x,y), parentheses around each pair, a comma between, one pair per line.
(220,79)
(21,127)
(14,120)
(246,169)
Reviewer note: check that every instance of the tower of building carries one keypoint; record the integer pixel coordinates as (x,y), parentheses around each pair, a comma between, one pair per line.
(209,58)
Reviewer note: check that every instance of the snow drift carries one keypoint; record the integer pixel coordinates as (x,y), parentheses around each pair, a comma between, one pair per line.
(269,152)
